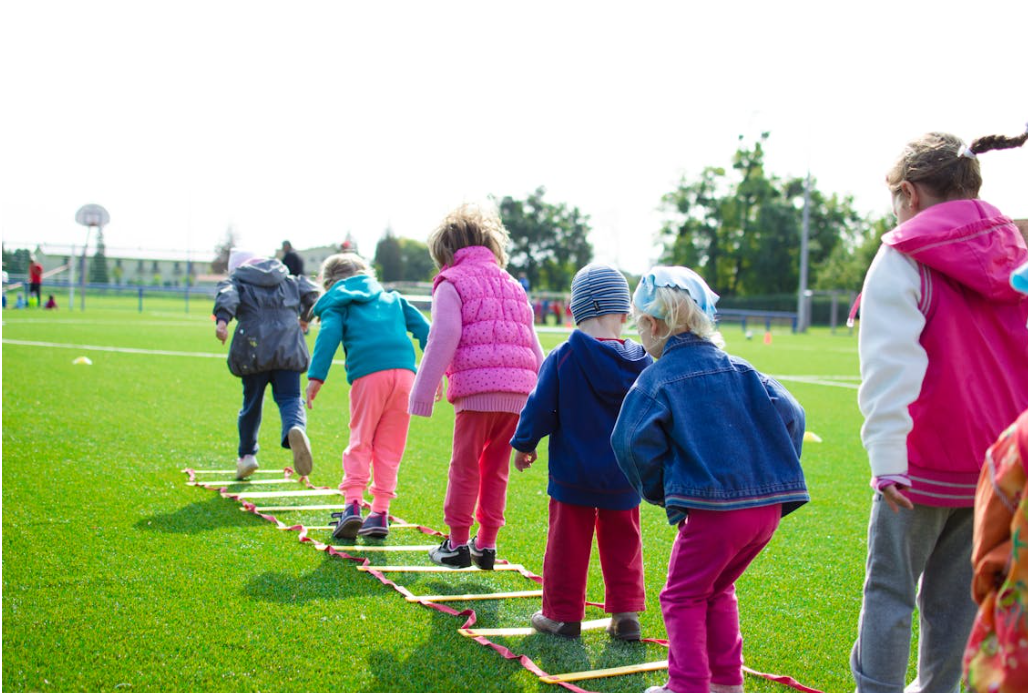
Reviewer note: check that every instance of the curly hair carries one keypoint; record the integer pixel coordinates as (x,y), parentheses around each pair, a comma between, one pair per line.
(466,226)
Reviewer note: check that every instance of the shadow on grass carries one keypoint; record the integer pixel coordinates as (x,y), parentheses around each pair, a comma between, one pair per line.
(197,517)
(334,578)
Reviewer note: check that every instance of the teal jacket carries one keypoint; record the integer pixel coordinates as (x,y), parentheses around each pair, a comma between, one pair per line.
(371,324)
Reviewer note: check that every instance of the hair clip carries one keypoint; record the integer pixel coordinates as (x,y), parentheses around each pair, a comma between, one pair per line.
(966,153)
(677,277)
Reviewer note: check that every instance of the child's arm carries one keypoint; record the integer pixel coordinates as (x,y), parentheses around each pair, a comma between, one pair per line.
(417,325)
(226,301)
(443,339)
(789,409)
(540,417)
(330,336)
(641,443)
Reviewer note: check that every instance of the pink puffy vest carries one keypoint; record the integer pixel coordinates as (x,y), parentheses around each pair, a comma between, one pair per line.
(495,351)
(976,339)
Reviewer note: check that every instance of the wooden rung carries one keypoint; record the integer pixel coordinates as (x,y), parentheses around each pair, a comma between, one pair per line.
(229,482)
(290,494)
(475,597)
(603,673)
(430,568)
(280,508)
(397,525)
(475,632)
(233,471)
(367,547)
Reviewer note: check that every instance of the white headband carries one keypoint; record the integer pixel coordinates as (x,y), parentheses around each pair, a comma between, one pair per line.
(966,152)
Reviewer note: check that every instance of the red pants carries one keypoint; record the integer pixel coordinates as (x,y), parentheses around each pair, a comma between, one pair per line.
(478,475)
(566,565)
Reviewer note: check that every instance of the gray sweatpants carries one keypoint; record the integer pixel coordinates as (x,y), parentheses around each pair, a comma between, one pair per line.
(933,545)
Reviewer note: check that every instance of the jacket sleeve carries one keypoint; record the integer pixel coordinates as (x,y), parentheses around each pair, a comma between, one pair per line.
(892,361)
(309,295)
(789,409)
(226,301)
(330,336)
(440,349)
(417,325)
(539,418)
(641,444)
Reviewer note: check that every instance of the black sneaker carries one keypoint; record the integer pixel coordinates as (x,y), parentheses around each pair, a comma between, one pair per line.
(483,558)
(450,556)
(349,522)
(375,525)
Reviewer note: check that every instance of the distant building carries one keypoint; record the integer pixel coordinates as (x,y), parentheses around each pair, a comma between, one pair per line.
(129,267)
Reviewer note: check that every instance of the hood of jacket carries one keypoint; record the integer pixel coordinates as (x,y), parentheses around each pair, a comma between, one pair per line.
(969,241)
(609,367)
(360,288)
(269,272)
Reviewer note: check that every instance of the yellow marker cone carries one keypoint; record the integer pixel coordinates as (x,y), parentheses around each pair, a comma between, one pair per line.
(811,437)
(82,361)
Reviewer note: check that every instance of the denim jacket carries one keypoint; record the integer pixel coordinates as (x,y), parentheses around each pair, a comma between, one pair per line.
(702,429)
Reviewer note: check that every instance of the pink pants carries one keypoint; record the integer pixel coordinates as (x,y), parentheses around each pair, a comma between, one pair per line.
(712,550)
(478,475)
(378,435)
(566,564)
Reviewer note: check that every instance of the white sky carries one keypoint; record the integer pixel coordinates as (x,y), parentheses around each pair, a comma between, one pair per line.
(308,120)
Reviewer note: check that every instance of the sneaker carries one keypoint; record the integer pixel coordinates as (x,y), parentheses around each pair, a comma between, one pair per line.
(375,525)
(349,522)
(625,626)
(565,629)
(483,558)
(658,689)
(451,556)
(245,466)
(303,462)
(725,688)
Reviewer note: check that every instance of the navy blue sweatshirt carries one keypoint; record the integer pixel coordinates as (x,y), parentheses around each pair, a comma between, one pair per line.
(581,386)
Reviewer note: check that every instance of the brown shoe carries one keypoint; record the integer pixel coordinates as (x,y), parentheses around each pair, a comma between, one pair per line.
(624,625)
(565,629)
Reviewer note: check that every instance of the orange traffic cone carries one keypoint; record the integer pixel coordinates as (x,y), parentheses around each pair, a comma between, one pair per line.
(767,337)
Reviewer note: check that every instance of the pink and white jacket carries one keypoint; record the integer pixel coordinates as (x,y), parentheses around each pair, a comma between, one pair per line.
(943,348)
(482,337)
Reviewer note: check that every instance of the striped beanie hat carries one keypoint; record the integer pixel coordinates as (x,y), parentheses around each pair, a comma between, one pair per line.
(597,290)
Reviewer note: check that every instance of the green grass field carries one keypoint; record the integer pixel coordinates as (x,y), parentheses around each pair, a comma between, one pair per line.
(117,575)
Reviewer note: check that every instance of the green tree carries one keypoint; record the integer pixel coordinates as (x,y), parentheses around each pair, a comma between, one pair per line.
(848,262)
(98,263)
(417,262)
(221,251)
(16,261)
(389,258)
(550,242)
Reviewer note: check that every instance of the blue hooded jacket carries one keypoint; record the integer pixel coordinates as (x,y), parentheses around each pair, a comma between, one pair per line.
(371,324)
(581,386)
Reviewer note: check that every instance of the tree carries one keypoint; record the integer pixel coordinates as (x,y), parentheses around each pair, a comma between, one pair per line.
(16,262)
(389,258)
(417,262)
(98,263)
(550,242)
(848,262)
(741,229)
(222,251)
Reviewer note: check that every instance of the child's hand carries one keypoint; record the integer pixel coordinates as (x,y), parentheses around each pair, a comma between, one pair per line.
(439,391)
(312,391)
(524,460)
(221,331)
(895,499)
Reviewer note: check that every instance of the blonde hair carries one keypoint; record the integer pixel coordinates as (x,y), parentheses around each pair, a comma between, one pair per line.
(342,266)
(681,314)
(935,161)
(466,226)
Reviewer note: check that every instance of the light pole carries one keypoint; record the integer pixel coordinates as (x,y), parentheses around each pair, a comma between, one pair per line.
(802,300)
(89,216)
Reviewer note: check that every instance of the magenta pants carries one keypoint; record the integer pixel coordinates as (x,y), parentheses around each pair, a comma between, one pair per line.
(566,564)
(478,475)
(378,435)
(701,613)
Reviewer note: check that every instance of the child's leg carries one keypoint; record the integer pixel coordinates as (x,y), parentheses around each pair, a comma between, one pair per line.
(898,546)
(619,540)
(250,415)
(391,437)
(366,404)
(566,561)
(470,435)
(711,551)
(285,388)
(494,466)
(945,604)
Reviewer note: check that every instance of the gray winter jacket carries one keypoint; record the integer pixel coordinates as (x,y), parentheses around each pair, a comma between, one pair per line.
(267,303)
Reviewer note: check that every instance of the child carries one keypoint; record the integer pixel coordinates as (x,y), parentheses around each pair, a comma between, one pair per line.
(267,347)
(944,368)
(372,326)
(482,337)
(717,444)
(51,303)
(581,386)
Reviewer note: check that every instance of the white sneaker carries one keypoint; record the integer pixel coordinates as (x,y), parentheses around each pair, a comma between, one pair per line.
(303,462)
(245,466)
